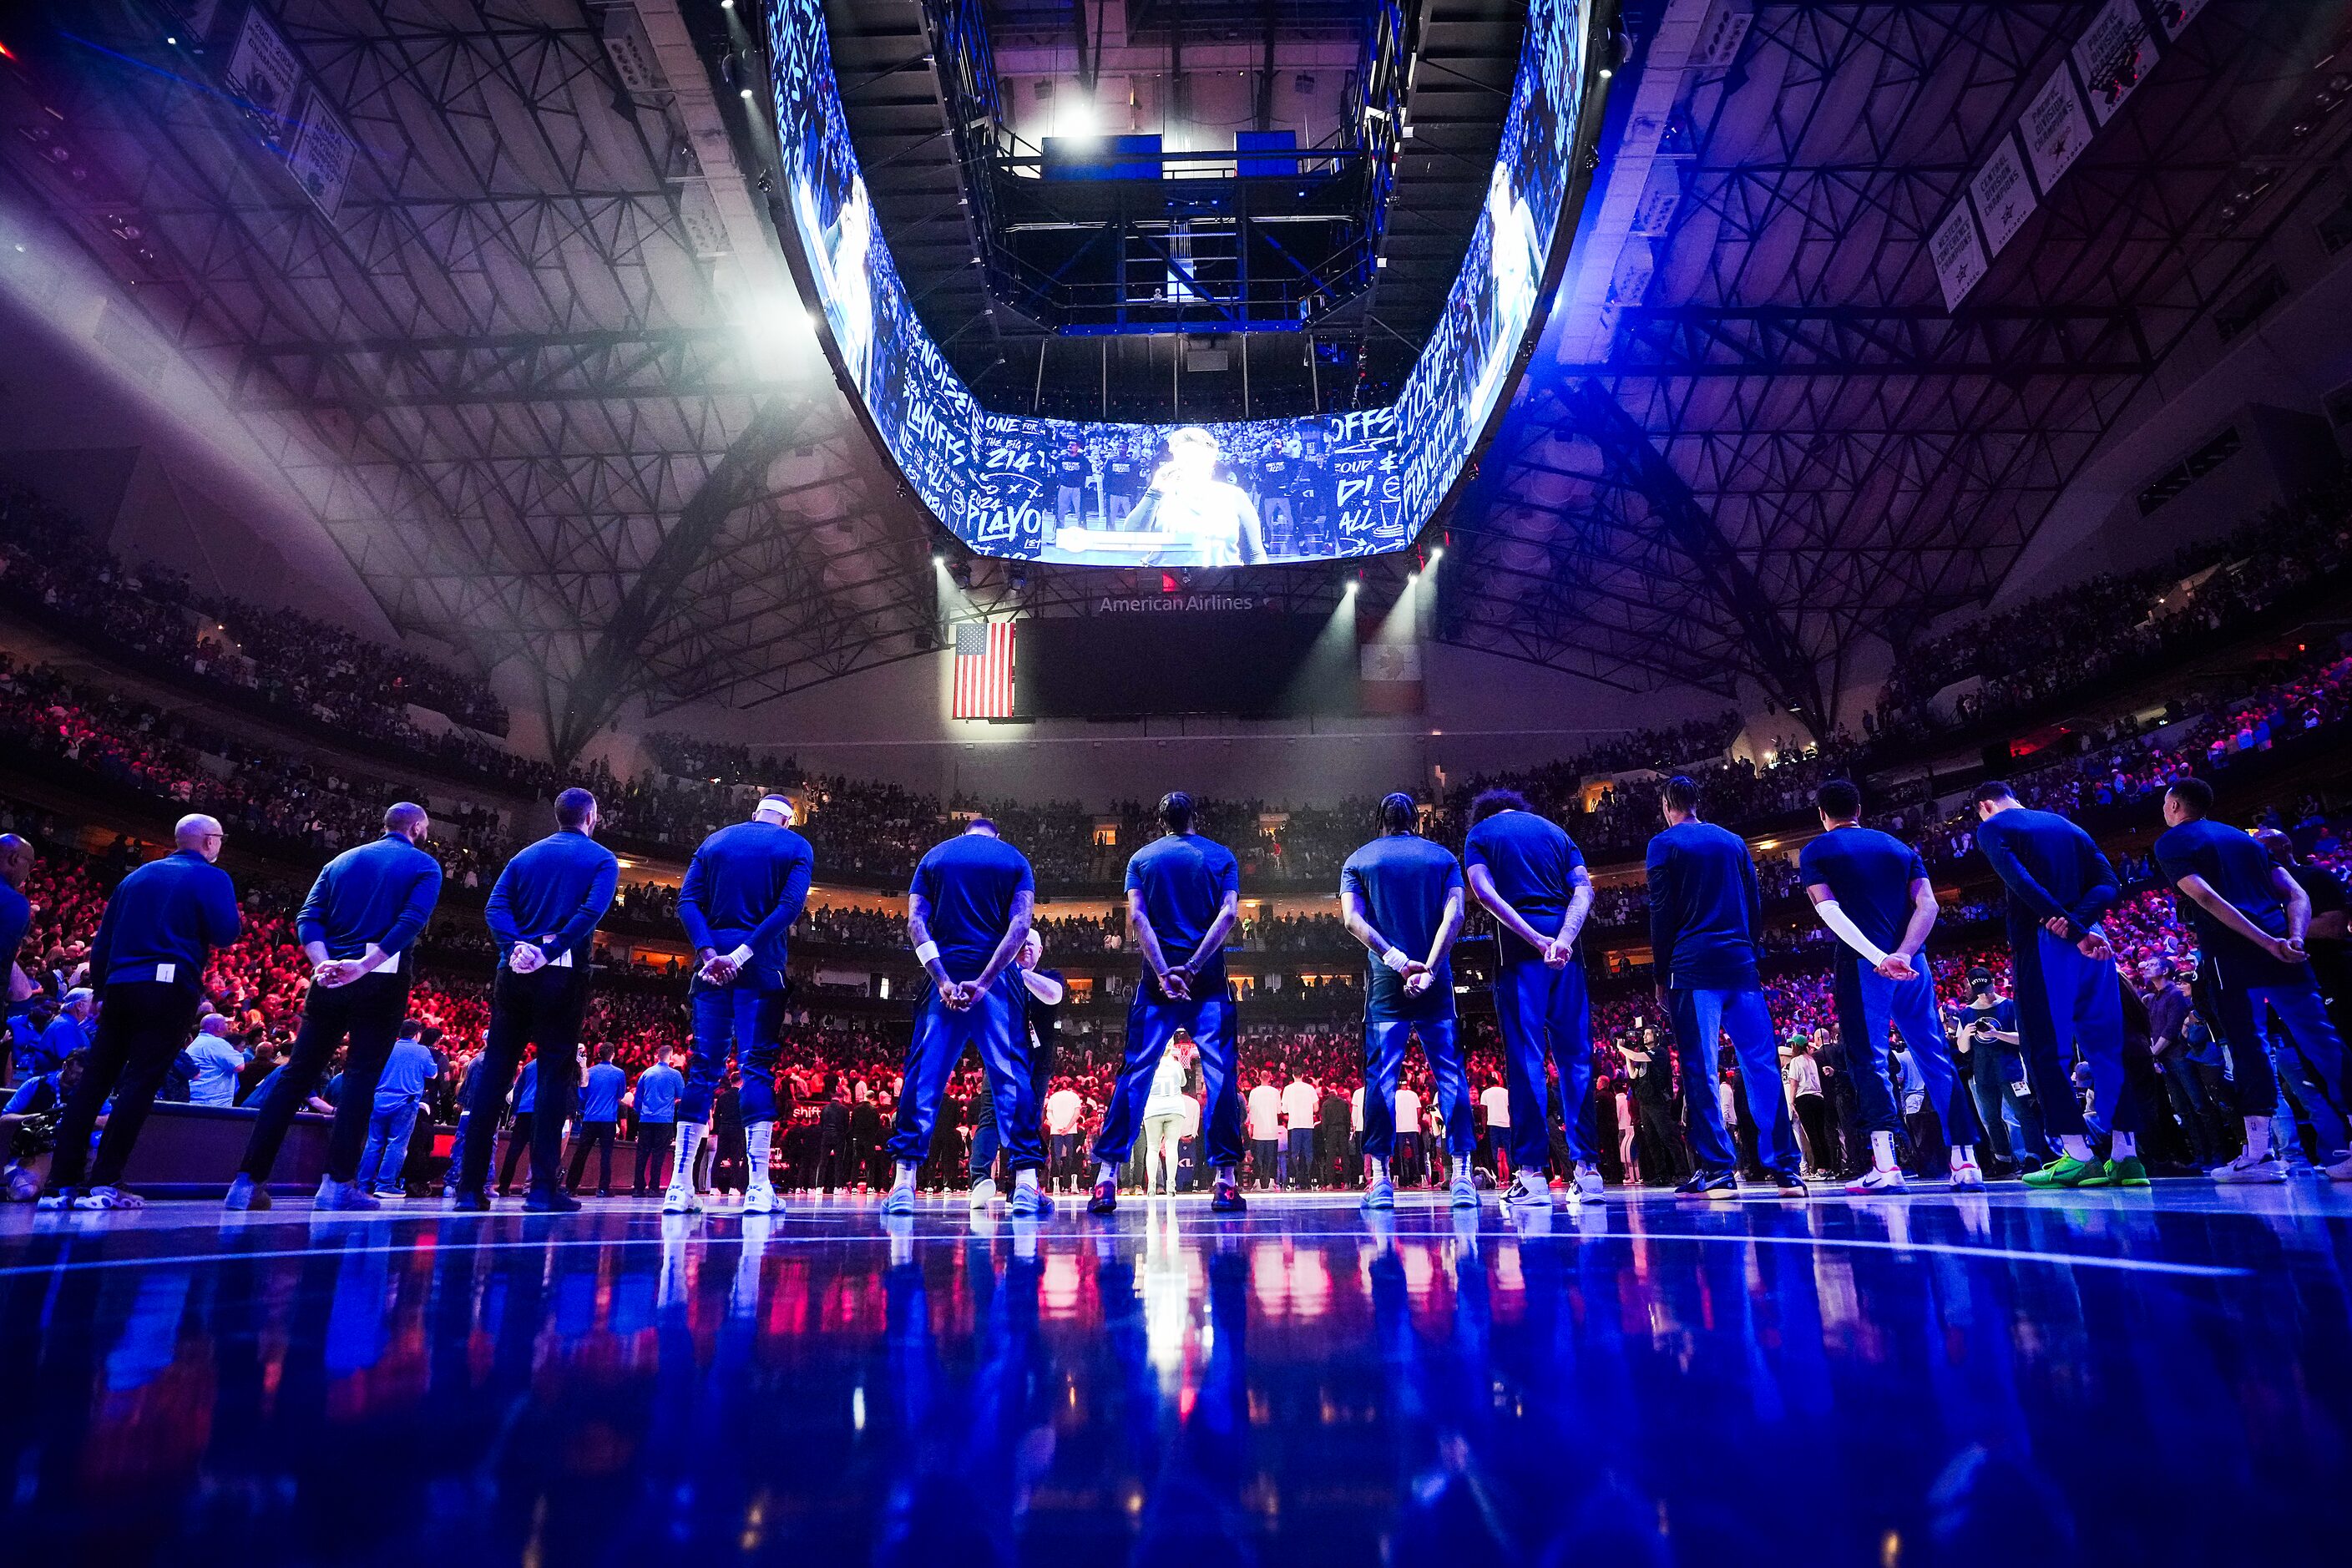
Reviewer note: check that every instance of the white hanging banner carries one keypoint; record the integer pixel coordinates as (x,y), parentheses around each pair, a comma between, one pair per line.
(322,154)
(2001,195)
(2174,16)
(265,71)
(2055,128)
(1958,254)
(2114,56)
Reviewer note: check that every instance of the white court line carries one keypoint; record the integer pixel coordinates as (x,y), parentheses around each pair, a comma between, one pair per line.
(1949,1249)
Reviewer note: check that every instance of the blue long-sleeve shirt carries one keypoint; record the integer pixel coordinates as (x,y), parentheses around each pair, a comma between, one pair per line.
(745,888)
(600,1093)
(553,894)
(15,915)
(381,892)
(1705,907)
(164,922)
(2050,867)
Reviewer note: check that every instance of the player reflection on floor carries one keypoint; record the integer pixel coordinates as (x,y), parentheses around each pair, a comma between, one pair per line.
(1187,500)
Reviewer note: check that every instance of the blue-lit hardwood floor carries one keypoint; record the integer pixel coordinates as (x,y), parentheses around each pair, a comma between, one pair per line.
(2160,1377)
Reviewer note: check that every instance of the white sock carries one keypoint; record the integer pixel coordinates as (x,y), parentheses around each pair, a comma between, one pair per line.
(2258,1137)
(906,1176)
(759,1136)
(1225,1177)
(1882,1151)
(681,1164)
(1025,1178)
(2123,1146)
(1380,1170)
(1964,1154)
(2076,1146)
(1104,1172)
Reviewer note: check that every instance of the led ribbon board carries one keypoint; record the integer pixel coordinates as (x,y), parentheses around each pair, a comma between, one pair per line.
(1203,495)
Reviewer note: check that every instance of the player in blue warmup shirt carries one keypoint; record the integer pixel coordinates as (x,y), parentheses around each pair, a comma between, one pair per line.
(542,915)
(745,888)
(365,912)
(1531,877)
(600,1113)
(656,1103)
(967,919)
(1873,891)
(1400,896)
(1183,895)
(2251,914)
(1706,913)
(2068,994)
(160,928)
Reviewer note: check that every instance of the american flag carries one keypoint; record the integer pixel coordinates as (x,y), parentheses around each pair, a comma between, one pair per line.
(983,670)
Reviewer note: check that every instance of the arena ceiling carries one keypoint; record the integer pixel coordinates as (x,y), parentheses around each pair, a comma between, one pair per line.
(518,378)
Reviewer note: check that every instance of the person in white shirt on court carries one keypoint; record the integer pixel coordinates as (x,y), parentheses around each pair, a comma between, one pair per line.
(1408,1128)
(1264,1113)
(1163,1123)
(1063,1110)
(1298,1104)
(1495,1100)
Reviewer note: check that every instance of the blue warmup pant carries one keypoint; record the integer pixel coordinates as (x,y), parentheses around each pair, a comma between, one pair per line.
(1545,1018)
(1701,1017)
(996,1024)
(1866,1002)
(1441,1040)
(2311,1034)
(2066,1002)
(1151,1022)
(741,1022)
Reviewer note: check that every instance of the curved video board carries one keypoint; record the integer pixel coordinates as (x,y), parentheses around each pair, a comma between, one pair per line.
(1205,495)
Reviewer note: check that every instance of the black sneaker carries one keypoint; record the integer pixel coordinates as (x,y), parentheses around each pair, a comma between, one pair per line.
(1715,1184)
(1228,1199)
(553,1200)
(1788,1185)
(1106,1198)
(464,1202)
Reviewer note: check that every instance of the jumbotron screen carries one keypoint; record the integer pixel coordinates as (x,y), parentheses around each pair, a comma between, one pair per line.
(1201,495)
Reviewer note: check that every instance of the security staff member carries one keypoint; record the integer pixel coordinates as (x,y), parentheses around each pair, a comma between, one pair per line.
(148,966)
(365,912)
(968,920)
(745,888)
(1872,889)
(1183,895)
(1531,877)
(1706,915)
(2060,889)
(1400,896)
(542,915)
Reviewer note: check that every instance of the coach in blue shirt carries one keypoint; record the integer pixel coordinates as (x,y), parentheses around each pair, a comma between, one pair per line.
(148,966)
(364,913)
(2251,915)
(1531,877)
(2068,994)
(655,1103)
(1400,896)
(1706,913)
(968,915)
(1871,890)
(1183,895)
(600,1114)
(542,915)
(746,886)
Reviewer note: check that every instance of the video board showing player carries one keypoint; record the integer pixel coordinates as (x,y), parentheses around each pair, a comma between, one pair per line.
(1233,493)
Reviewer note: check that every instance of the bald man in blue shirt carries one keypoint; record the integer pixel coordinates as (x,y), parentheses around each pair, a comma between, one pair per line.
(746,886)
(363,914)
(1706,915)
(2069,997)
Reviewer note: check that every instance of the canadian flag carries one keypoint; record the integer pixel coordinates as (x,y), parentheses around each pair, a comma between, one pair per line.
(1389,674)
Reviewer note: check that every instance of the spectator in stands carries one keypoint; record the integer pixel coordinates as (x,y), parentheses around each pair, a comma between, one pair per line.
(215,1062)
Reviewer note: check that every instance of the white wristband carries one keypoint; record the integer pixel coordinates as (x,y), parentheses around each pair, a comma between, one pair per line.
(926,953)
(1396,959)
(740,956)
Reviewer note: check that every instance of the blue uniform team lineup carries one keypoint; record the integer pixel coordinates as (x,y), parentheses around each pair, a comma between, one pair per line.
(971,924)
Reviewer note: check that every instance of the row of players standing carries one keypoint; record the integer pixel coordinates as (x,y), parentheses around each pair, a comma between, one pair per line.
(971,907)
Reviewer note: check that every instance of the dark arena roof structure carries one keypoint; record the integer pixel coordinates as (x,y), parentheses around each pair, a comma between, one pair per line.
(511,370)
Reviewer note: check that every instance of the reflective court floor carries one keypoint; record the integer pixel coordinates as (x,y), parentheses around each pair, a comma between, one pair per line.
(2161,1377)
